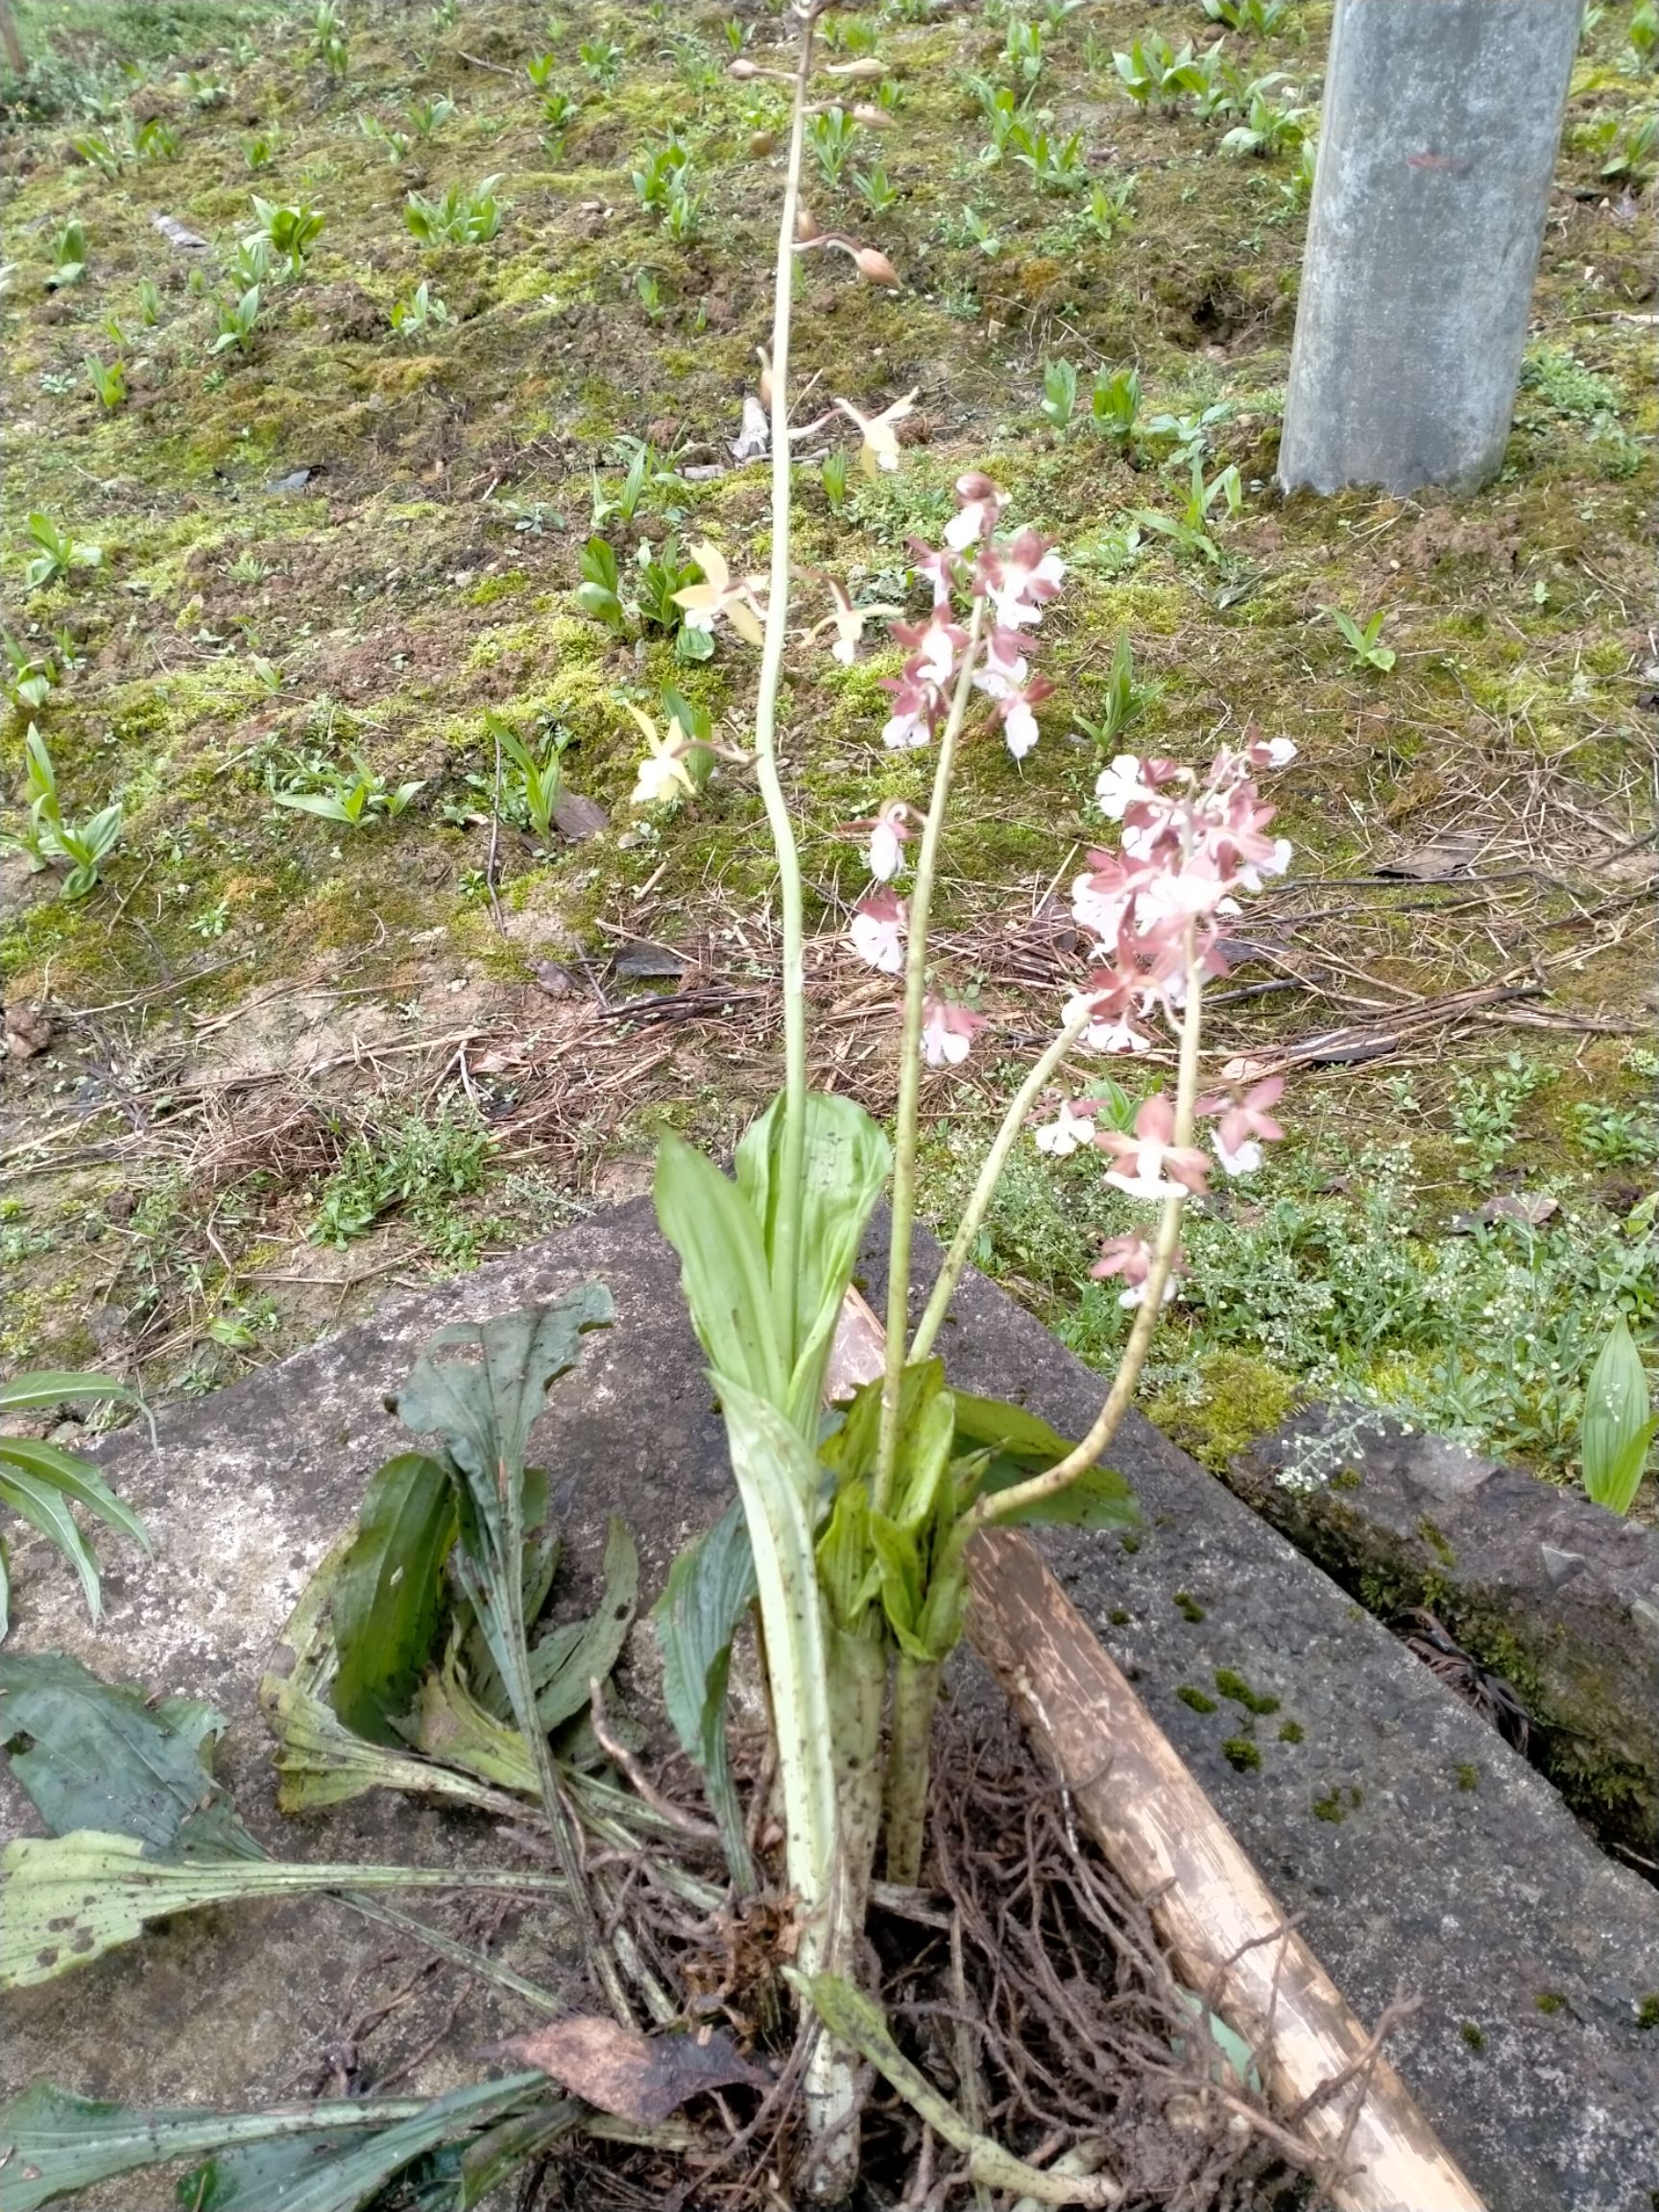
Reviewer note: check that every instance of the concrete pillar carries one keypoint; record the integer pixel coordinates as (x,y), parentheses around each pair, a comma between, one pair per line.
(1436,149)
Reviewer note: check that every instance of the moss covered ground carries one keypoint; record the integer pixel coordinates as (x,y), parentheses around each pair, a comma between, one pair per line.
(292,1059)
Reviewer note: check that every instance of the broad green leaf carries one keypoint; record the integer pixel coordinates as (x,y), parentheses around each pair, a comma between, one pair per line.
(258,2176)
(99,1757)
(484,1406)
(46,1512)
(849,1574)
(722,1270)
(924,1448)
(1008,1428)
(386,1591)
(544,1548)
(76,1479)
(902,1584)
(1097,1498)
(711,1588)
(450,1727)
(1618,1422)
(563,1667)
(319,1761)
(53,2144)
(65,1900)
(358,2171)
(851,1450)
(1010,1445)
(46,1387)
(847,1163)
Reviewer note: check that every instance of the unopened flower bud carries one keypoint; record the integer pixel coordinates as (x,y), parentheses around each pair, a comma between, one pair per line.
(872,117)
(975,485)
(807,231)
(865,70)
(875,267)
(763,142)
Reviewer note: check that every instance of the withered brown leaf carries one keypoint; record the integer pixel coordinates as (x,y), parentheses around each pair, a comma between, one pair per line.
(638,2078)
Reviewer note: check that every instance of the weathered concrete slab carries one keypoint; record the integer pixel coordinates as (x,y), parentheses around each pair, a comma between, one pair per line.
(1421,1855)
(1536,1582)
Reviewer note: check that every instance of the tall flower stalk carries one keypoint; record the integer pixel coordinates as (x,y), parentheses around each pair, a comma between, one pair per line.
(778,816)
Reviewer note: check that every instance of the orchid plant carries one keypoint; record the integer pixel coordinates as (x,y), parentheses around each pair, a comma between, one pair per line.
(852,1530)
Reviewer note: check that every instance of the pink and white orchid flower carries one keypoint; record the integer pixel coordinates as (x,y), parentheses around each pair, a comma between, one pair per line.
(888,833)
(1245,1125)
(948,1032)
(1020,577)
(1066,1134)
(1153,1165)
(1006,679)
(975,518)
(877,931)
(1130,1259)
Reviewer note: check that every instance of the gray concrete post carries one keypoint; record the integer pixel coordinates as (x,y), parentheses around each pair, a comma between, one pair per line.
(1437,146)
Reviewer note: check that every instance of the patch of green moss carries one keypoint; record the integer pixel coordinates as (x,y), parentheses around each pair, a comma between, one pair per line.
(1195,1698)
(1234,1687)
(506,586)
(1436,1543)
(1473,2036)
(1188,1606)
(1550,2002)
(1241,1754)
(1292,1732)
(1235,1399)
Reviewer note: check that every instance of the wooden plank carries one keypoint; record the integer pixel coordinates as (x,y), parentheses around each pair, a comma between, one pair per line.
(1227,1936)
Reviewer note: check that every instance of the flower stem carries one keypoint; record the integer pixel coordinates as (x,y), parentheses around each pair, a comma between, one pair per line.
(910,1074)
(792,1196)
(985,1189)
(1020,1496)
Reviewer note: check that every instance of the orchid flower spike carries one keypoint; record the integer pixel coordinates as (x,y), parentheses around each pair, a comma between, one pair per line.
(717,594)
(881,448)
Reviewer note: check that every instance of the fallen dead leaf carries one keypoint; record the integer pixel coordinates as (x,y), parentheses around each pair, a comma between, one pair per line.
(1245,1071)
(638,2078)
(577,818)
(1534,1208)
(177,234)
(1433,862)
(28,1031)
